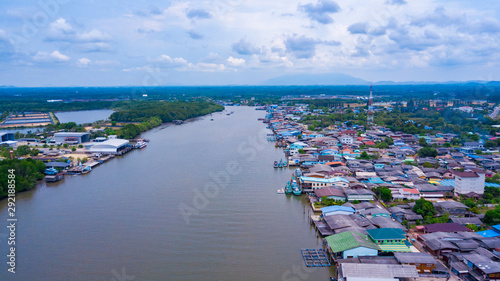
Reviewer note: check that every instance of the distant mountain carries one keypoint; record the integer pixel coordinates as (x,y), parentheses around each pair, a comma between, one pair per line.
(307,79)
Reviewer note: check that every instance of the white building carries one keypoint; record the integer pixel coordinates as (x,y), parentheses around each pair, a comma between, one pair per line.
(470,181)
(112,146)
(71,137)
(346,140)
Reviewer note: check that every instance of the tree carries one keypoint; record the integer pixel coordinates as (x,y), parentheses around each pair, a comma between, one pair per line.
(492,217)
(383,193)
(364,155)
(447,144)
(427,165)
(427,152)
(299,137)
(424,208)
(382,145)
(456,141)
(389,141)
(490,144)
(422,142)
(473,227)
(301,151)
(73,148)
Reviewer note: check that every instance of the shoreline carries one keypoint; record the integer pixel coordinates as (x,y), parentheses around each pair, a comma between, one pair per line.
(159,127)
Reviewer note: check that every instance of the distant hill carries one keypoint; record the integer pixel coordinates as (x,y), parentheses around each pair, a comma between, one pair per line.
(307,79)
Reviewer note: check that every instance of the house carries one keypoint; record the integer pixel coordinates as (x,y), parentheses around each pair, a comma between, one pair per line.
(351,245)
(473,145)
(359,194)
(336,194)
(454,208)
(465,221)
(336,210)
(445,227)
(376,272)
(485,267)
(469,182)
(389,239)
(406,194)
(346,140)
(318,183)
(424,262)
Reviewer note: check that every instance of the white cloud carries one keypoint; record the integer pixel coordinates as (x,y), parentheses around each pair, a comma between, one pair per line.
(55,56)
(235,61)
(83,62)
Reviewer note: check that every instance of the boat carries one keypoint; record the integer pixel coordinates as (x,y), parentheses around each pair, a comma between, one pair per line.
(280,191)
(51,171)
(275,164)
(288,188)
(86,170)
(280,164)
(296,189)
(141,144)
(298,172)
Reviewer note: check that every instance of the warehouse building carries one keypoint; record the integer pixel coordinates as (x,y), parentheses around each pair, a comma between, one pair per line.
(112,146)
(71,137)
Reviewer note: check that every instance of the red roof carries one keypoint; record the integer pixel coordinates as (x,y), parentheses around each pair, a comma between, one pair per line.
(369,143)
(411,190)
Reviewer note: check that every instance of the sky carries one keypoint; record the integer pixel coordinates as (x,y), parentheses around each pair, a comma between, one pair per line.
(245,42)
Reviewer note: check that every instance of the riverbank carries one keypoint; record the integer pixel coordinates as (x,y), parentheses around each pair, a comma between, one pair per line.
(128,213)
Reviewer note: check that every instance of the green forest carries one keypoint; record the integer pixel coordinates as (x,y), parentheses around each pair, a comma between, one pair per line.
(166,111)
(27,172)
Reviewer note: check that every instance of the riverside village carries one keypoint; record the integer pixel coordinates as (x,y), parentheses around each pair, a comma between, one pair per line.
(407,204)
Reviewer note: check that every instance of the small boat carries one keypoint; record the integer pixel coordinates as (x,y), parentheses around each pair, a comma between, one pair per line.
(298,172)
(276,164)
(288,188)
(280,191)
(86,170)
(51,171)
(296,189)
(141,144)
(280,164)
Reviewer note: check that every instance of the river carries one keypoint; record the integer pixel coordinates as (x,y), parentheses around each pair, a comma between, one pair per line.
(199,203)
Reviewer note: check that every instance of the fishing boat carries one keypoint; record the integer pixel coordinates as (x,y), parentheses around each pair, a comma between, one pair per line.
(296,189)
(86,170)
(288,188)
(141,144)
(276,164)
(298,172)
(51,171)
(280,164)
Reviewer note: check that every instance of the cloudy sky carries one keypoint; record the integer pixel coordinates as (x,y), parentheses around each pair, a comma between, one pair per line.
(222,42)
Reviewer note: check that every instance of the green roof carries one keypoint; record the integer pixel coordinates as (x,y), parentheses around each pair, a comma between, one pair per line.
(386,233)
(349,240)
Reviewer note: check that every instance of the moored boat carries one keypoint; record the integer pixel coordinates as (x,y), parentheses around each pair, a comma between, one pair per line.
(288,188)
(276,165)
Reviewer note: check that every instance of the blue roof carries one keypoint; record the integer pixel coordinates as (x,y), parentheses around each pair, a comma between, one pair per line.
(491,184)
(496,227)
(337,208)
(489,233)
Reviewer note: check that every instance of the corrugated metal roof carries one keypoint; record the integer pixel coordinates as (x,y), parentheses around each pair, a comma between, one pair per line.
(349,240)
